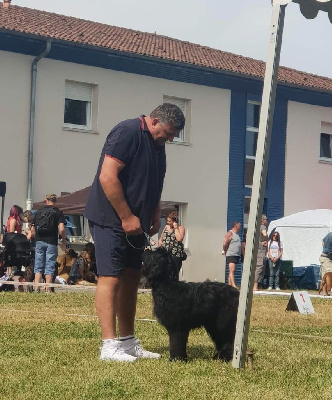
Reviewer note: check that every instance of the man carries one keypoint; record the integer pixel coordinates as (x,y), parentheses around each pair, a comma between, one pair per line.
(232,250)
(124,203)
(261,253)
(49,223)
(325,258)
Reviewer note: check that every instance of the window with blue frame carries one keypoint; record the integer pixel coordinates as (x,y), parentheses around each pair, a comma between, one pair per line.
(253,112)
(252,123)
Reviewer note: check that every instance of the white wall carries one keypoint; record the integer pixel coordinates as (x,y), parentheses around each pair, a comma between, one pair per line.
(308,181)
(67,161)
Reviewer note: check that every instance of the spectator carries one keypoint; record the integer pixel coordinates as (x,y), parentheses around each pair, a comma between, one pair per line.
(326,257)
(82,270)
(171,239)
(124,202)
(30,233)
(48,222)
(64,263)
(243,246)
(261,253)
(27,217)
(274,254)
(232,250)
(14,222)
(14,225)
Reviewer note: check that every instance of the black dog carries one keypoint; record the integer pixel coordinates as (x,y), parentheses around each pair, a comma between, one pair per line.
(181,306)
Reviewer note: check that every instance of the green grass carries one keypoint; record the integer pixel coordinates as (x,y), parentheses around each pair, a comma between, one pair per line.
(47,354)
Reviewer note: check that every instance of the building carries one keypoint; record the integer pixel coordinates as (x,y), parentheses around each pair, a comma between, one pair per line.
(84,77)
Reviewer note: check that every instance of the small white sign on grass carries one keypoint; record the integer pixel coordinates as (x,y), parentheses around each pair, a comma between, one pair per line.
(300,301)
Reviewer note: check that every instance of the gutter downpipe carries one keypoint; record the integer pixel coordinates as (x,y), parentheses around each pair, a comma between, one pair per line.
(32,119)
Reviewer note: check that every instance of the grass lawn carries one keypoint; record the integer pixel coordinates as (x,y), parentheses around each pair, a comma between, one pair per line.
(50,349)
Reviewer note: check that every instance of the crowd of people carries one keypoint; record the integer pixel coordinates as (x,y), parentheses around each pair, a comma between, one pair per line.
(269,254)
(42,231)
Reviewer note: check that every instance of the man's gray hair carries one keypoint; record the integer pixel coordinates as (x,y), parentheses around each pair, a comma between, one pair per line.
(169,114)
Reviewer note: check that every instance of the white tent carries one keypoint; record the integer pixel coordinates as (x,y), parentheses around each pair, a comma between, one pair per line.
(302,234)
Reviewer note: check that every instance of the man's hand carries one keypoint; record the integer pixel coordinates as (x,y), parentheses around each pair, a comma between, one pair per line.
(132,225)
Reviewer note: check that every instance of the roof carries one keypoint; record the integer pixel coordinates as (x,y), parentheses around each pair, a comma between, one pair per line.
(74,203)
(309,218)
(50,25)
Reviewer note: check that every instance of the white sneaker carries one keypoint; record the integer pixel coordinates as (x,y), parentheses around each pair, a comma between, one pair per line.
(269,288)
(60,280)
(134,348)
(115,352)
(277,288)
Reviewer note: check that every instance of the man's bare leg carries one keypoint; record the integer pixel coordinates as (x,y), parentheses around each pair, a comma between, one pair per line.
(231,272)
(48,279)
(105,301)
(126,301)
(38,278)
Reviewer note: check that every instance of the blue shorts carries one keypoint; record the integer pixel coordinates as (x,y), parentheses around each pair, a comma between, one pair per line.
(45,258)
(115,251)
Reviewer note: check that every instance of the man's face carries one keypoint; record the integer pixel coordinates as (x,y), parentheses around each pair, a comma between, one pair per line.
(238,227)
(162,133)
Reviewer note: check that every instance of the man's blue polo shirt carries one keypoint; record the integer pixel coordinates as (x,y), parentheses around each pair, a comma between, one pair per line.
(142,178)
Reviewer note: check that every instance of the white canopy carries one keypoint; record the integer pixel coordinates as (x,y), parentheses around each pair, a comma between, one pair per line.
(302,234)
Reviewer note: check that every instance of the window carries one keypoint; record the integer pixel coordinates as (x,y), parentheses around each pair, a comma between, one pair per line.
(325,146)
(184,106)
(253,112)
(78,105)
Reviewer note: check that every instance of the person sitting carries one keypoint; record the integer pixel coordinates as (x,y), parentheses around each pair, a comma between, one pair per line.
(64,263)
(83,269)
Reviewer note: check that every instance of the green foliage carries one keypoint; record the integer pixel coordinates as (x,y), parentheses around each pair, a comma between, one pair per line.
(50,349)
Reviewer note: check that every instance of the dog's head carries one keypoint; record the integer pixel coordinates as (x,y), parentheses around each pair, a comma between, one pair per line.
(158,267)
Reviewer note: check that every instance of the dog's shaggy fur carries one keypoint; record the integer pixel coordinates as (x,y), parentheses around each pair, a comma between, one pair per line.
(326,284)
(181,307)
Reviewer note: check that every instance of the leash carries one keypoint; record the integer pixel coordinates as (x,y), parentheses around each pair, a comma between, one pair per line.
(148,242)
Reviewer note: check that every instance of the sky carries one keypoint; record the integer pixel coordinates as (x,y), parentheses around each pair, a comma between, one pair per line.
(238,26)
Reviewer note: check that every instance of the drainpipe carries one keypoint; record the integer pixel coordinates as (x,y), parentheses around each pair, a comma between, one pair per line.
(32,119)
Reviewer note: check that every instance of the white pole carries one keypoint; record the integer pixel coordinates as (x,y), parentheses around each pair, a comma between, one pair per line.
(259,180)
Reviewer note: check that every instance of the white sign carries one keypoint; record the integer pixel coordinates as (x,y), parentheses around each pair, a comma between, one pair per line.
(300,301)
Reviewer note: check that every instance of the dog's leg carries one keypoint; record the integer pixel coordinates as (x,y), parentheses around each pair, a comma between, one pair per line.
(178,344)
(325,289)
(223,339)
(328,285)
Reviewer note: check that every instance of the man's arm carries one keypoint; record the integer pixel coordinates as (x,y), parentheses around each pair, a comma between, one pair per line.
(227,241)
(62,231)
(109,180)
